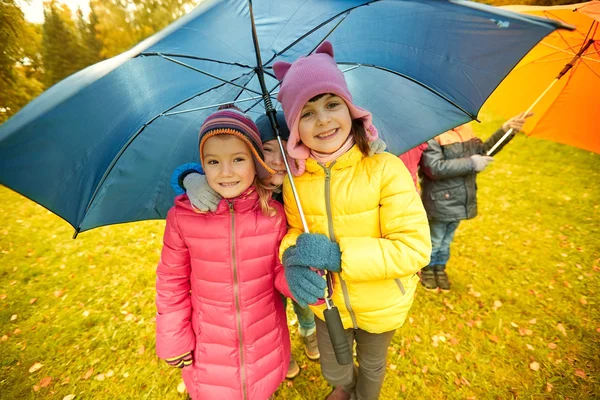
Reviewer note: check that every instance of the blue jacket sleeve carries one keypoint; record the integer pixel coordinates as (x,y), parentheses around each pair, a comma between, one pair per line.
(181,172)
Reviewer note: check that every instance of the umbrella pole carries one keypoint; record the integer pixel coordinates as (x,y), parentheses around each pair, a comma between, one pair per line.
(333,320)
(566,68)
(510,131)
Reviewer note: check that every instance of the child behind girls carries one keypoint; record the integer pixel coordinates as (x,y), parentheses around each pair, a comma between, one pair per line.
(220,317)
(367,223)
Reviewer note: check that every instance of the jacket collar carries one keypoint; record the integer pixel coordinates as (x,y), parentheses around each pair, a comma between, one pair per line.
(348,159)
(244,202)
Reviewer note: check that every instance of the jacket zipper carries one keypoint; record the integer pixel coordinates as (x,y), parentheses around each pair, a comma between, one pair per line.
(237,302)
(333,239)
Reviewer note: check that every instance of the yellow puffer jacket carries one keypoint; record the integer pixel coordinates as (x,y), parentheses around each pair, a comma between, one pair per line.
(369,206)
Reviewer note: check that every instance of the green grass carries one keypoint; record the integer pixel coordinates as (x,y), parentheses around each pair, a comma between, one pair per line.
(533,251)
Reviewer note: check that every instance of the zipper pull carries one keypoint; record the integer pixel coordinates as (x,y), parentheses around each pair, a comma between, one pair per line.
(230,206)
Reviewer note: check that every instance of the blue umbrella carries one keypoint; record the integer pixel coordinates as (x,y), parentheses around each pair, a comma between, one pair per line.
(99,147)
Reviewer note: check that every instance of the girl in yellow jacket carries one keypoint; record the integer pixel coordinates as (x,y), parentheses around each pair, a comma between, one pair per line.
(367,223)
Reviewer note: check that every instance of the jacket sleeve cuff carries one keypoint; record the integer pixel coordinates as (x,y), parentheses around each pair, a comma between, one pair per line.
(174,334)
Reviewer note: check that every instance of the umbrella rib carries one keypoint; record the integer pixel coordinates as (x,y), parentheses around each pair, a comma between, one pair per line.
(205,73)
(156,54)
(316,28)
(474,117)
(134,136)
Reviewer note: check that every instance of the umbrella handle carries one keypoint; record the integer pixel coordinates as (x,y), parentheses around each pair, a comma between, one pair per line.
(337,335)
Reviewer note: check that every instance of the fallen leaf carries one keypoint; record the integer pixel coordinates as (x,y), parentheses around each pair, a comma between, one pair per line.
(142,349)
(35,367)
(580,373)
(494,338)
(530,347)
(14,317)
(549,387)
(464,381)
(393,367)
(4,338)
(583,301)
(2,296)
(45,381)
(17,331)
(110,373)
(514,325)
(411,320)
(497,304)
(65,381)
(458,357)
(417,339)
(528,332)
(86,313)
(552,346)
(99,377)
(32,300)
(88,374)
(69,397)
(562,329)
(535,366)
(403,388)
(453,341)
(425,369)
(533,321)
(126,375)
(36,388)
(13,283)
(181,387)
(58,293)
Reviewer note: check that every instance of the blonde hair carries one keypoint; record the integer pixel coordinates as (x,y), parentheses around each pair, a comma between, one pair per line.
(265,193)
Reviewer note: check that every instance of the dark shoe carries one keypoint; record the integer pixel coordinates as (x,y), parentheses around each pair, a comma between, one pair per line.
(442,280)
(428,278)
(293,370)
(338,394)
(310,346)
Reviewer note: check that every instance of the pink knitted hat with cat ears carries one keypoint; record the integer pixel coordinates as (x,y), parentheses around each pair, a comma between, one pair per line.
(304,79)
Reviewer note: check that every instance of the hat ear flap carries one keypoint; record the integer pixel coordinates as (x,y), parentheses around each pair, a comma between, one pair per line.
(325,48)
(280,68)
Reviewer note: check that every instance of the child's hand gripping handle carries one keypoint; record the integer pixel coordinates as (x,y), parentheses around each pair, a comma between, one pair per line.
(339,341)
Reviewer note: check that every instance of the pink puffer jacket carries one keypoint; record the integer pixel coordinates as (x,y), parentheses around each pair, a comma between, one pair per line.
(217,295)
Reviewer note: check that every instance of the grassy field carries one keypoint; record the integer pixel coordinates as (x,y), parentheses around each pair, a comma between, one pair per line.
(522,320)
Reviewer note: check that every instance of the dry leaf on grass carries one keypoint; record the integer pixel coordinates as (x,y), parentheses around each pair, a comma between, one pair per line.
(549,387)
(32,300)
(533,321)
(530,347)
(45,381)
(535,366)
(35,367)
(580,373)
(69,397)
(14,317)
(562,329)
(497,304)
(552,346)
(88,374)
(181,387)
(494,338)
(99,377)
(393,367)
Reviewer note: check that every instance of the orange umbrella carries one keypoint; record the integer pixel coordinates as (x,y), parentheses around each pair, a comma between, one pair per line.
(559,79)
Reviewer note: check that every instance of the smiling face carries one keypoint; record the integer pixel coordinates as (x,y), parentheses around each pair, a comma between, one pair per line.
(228,165)
(325,123)
(274,159)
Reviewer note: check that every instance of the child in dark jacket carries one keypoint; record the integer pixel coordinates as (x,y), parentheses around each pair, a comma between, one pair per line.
(449,167)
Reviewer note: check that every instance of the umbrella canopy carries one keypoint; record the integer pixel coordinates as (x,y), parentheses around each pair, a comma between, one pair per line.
(98,148)
(568,112)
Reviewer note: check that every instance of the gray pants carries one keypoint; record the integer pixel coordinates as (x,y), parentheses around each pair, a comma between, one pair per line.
(371,351)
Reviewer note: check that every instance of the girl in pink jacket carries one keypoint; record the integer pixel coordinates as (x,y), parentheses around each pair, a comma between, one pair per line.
(220,317)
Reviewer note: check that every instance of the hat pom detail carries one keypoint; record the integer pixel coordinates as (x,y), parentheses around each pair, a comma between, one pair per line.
(325,48)
(281,68)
